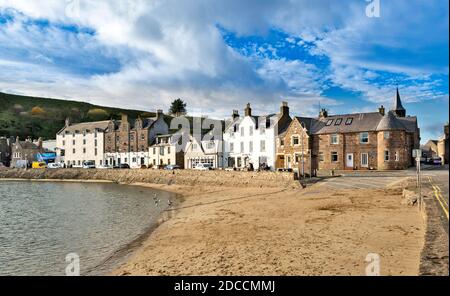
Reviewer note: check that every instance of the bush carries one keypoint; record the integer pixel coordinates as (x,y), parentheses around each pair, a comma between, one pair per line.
(37,111)
(97,114)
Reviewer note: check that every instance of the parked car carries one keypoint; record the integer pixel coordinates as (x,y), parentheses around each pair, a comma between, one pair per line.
(89,165)
(39,165)
(122,166)
(172,167)
(55,165)
(437,161)
(204,167)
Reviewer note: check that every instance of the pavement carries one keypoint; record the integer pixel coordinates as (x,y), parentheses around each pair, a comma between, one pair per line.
(435,191)
(434,258)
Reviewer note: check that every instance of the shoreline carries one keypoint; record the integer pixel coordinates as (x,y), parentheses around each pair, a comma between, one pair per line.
(277,229)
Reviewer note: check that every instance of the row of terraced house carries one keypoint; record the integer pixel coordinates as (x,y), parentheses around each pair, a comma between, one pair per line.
(383,140)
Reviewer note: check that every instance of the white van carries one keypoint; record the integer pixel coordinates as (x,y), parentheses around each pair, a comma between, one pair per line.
(204,167)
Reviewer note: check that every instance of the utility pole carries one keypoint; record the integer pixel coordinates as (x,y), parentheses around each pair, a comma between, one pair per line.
(418,153)
(303,159)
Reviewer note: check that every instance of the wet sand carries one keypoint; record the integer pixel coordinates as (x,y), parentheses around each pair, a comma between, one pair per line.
(281,231)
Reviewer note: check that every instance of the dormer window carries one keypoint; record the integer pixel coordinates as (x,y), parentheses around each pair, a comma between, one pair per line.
(338,121)
(329,122)
(349,121)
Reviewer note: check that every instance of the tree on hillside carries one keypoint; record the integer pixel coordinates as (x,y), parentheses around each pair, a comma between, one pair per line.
(97,114)
(178,108)
(37,111)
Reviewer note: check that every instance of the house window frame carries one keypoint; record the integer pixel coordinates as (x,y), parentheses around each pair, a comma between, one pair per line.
(321,156)
(386,135)
(334,153)
(361,138)
(263,146)
(295,137)
(336,136)
(386,156)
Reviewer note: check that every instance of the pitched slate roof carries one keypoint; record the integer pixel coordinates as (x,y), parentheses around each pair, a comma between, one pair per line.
(358,122)
(102,125)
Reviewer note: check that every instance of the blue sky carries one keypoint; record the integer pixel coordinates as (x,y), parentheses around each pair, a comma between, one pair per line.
(219,55)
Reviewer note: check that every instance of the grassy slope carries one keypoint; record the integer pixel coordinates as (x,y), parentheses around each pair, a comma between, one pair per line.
(17,119)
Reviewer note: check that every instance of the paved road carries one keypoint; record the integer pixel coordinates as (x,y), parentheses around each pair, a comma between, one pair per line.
(360,182)
(381,179)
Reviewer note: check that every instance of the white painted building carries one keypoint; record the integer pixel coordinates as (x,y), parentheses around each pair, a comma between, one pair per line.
(250,141)
(206,149)
(168,150)
(80,142)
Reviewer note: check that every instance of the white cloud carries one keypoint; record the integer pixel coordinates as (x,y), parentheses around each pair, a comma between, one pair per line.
(168,49)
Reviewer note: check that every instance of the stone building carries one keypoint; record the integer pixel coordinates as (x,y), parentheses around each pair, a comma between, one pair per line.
(23,153)
(294,147)
(443,146)
(376,140)
(80,142)
(5,150)
(430,149)
(127,141)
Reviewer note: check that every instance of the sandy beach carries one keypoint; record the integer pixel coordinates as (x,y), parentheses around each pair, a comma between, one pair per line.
(281,231)
(265,224)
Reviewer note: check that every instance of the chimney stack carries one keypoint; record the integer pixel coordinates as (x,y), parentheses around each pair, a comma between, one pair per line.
(67,121)
(323,113)
(382,110)
(284,109)
(159,113)
(235,114)
(248,110)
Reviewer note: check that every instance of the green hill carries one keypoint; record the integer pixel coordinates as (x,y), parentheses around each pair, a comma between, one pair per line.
(41,117)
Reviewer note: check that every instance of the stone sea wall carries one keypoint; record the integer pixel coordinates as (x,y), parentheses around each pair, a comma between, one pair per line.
(179,177)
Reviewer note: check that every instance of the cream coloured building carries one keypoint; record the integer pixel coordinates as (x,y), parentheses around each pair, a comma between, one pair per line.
(80,142)
(168,150)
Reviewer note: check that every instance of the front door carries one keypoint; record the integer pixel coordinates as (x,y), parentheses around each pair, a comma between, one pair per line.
(349,160)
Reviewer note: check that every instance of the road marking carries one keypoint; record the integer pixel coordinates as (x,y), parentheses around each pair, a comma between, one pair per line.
(438,195)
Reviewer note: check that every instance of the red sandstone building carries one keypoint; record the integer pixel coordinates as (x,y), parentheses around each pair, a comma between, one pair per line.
(362,141)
